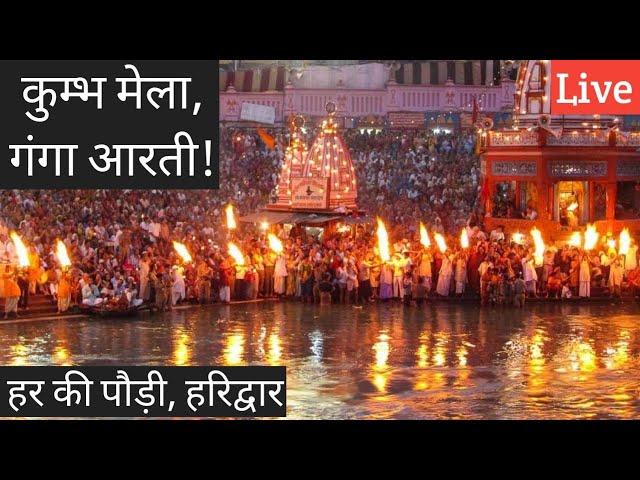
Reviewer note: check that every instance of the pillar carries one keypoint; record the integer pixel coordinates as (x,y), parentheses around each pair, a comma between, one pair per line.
(592,201)
(491,186)
(543,199)
(612,190)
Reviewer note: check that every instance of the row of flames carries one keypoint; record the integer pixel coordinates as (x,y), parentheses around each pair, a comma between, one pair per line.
(591,237)
(425,241)
(23,252)
(275,244)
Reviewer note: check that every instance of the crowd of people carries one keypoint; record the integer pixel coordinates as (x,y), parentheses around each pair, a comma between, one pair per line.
(121,241)
(404,176)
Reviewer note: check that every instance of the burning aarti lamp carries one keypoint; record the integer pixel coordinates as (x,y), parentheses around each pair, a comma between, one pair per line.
(183,252)
(21,252)
(63,256)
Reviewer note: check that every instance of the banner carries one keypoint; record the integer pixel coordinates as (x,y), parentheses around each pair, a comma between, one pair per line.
(406,120)
(253,112)
(310,193)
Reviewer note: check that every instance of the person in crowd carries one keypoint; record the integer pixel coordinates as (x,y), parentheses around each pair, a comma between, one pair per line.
(554,284)
(386,281)
(529,274)
(616,275)
(203,281)
(585,277)
(407,285)
(444,276)
(364,279)
(280,275)
(25,290)
(225,281)
(143,269)
(424,269)
(421,292)
(64,292)
(460,273)
(11,292)
(269,259)
(90,294)
(178,289)
(352,283)
(519,291)
(326,288)
(341,277)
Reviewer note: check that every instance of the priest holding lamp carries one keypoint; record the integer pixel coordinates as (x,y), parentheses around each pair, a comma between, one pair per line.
(11,292)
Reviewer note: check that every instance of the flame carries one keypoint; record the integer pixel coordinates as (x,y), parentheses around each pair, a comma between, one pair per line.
(540,247)
(591,236)
(575,240)
(275,244)
(21,250)
(424,236)
(231,219)
(383,242)
(572,207)
(181,249)
(235,252)
(264,225)
(625,241)
(464,238)
(517,238)
(62,255)
(611,243)
(442,245)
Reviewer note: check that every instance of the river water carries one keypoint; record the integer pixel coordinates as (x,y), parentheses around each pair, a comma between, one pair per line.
(444,361)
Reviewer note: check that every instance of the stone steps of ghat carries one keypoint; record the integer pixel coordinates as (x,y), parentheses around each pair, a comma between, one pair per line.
(38,305)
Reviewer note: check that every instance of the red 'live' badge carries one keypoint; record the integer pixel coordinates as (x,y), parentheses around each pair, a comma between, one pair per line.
(589,87)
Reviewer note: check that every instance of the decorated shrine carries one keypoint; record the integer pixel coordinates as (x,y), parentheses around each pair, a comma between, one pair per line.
(321,178)
(317,184)
(559,172)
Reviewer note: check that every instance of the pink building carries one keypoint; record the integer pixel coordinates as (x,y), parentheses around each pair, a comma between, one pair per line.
(356,104)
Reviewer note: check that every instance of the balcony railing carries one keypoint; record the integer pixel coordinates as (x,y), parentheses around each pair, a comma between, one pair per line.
(574,138)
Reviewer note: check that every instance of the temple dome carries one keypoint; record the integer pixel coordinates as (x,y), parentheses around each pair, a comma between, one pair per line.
(321,177)
(291,168)
(329,157)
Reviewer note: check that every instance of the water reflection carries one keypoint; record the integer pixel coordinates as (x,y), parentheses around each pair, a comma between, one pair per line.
(384,361)
(19,355)
(275,352)
(182,347)
(234,349)
(380,368)
(61,355)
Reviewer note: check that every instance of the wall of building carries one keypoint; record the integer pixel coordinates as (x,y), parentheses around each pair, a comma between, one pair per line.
(358,103)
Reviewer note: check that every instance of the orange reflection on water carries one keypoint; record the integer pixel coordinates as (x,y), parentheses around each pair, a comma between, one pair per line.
(423,350)
(61,355)
(275,351)
(182,348)
(582,356)
(617,356)
(19,354)
(440,350)
(382,349)
(536,355)
(462,353)
(234,349)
